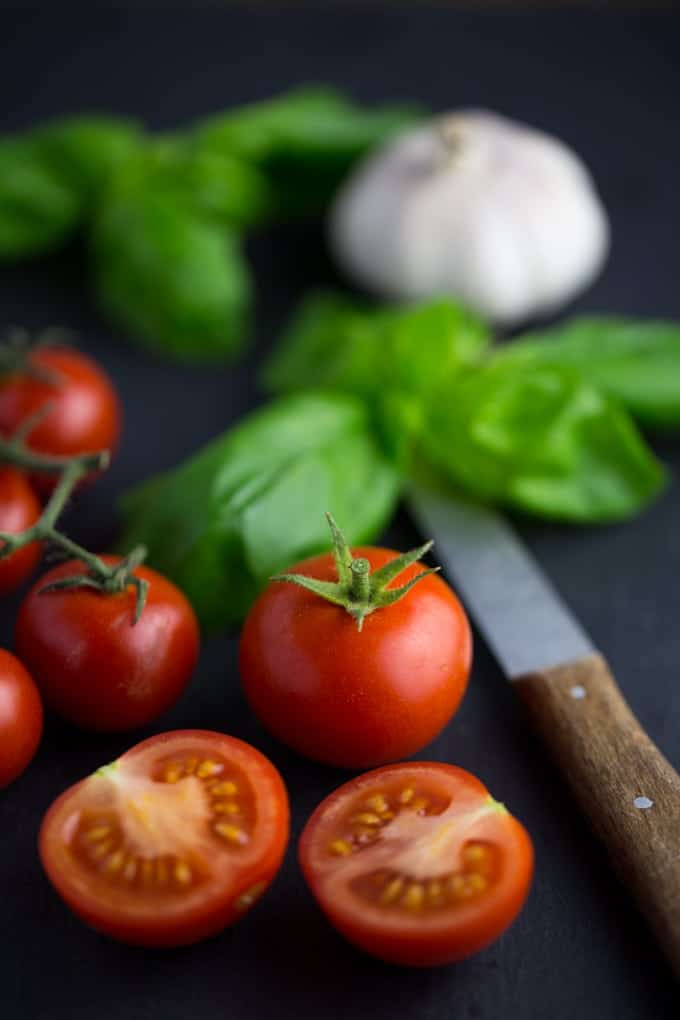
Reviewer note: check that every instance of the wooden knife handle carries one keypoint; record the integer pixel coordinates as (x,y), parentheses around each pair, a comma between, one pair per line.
(625,786)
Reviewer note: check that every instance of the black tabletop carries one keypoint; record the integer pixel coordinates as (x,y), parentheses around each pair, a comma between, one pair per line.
(609,86)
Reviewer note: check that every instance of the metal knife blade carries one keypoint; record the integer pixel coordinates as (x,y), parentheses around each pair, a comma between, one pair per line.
(524,621)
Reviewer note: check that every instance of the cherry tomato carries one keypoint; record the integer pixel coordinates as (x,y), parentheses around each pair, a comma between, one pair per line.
(172,842)
(93,664)
(348,697)
(85,415)
(21,718)
(19,509)
(416,863)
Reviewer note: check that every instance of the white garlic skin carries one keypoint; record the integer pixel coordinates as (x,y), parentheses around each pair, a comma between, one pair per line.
(474,205)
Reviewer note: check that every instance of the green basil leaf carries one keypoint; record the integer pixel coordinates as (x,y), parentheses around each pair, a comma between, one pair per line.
(306,141)
(173,280)
(636,361)
(338,342)
(542,440)
(221,187)
(88,150)
(38,209)
(393,356)
(252,502)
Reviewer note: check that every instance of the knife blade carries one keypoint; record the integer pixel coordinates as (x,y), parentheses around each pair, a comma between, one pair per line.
(524,621)
(627,789)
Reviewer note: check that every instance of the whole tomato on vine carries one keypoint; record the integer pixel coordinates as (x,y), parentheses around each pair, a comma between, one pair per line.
(70,401)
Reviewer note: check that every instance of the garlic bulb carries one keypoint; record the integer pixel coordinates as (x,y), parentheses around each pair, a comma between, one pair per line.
(501,216)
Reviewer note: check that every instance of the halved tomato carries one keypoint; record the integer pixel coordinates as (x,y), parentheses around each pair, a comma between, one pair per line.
(416,863)
(172,842)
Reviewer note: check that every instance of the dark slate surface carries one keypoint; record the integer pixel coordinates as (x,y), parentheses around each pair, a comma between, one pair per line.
(607,85)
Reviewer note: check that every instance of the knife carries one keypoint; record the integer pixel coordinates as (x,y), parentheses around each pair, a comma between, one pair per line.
(627,789)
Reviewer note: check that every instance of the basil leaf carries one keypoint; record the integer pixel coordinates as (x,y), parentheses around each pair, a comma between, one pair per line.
(221,187)
(393,356)
(38,209)
(636,361)
(305,140)
(173,280)
(86,151)
(252,502)
(541,440)
(345,344)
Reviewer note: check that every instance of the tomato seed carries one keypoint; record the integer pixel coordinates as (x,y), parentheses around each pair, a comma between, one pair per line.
(377,803)
(435,892)
(173,773)
(231,833)
(474,853)
(182,873)
(366,818)
(414,896)
(115,862)
(476,882)
(226,807)
(340,848)
(99,832)
(224,788)
(392,891)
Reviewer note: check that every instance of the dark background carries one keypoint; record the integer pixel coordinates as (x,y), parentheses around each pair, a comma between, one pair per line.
(609,85)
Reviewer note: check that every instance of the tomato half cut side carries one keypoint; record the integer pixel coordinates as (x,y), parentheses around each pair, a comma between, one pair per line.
(172,842)
(416,863)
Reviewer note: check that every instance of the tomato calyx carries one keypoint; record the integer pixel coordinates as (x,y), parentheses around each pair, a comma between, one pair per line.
(358,591)
(110,580)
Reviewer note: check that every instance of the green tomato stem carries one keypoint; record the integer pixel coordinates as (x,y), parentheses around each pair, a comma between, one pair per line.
(97,574)
(360,585)
(357,590)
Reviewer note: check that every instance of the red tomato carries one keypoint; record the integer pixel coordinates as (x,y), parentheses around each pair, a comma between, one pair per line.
(93,665)
(348,697)
(416,863)
(86,413)
(19,509)
(172,842)
(21,718)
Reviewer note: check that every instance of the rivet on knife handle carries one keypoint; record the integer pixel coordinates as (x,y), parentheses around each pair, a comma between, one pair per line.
(625,786)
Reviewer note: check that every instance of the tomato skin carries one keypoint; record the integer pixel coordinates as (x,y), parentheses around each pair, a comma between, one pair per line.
(19,509)
(85,415)
(417,942)
(164,925)
(92,665)
(348,697)
(21,718)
